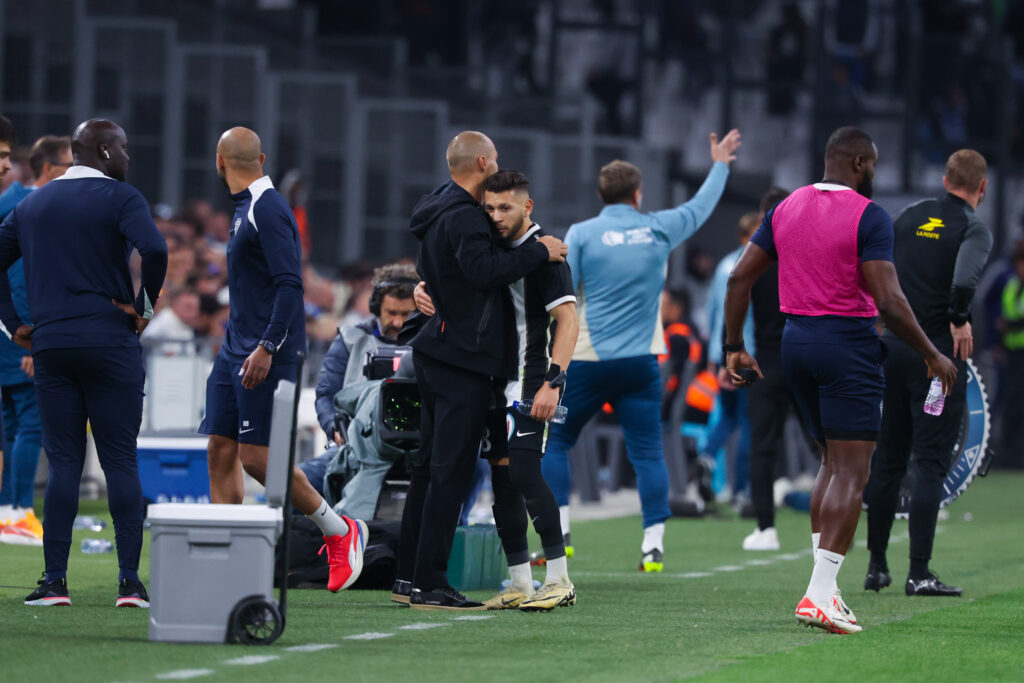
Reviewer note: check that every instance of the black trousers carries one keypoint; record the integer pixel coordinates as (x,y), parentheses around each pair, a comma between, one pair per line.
(105,387)
(1011,437)
(455,404)
(907,429)
(769,401)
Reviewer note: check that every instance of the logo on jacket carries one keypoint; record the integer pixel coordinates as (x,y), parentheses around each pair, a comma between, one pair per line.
(613,238)
(238,223)
(639,236)
(928,229)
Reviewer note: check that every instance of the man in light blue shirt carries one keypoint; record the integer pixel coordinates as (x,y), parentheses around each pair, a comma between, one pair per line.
(619,260)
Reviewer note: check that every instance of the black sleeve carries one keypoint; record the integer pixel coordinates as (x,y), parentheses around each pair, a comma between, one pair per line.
(555,283)
(970,261)
(483,264)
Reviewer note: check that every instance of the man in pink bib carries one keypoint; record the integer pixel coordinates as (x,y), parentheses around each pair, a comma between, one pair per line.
(834,247)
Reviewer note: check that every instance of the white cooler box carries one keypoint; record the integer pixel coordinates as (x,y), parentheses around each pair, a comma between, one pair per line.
(205,560)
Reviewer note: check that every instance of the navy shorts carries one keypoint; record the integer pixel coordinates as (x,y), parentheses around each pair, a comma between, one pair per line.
(235,412)
(838,387)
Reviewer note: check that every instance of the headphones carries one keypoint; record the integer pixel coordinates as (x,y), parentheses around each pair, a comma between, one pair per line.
(106,154)
(377,295)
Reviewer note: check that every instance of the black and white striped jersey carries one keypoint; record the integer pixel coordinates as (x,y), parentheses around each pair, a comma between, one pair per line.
(532,298)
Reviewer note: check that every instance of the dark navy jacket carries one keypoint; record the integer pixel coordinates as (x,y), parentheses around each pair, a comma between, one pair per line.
(76,234)
(264,276)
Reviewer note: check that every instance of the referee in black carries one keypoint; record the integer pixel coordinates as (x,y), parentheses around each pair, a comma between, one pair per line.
(76,235)
(940,249)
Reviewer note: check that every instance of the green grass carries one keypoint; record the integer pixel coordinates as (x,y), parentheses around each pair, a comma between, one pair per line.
(626,626)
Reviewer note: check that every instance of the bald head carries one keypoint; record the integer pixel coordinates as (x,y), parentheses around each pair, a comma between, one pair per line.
(466,149)
(103,145)
(240,149)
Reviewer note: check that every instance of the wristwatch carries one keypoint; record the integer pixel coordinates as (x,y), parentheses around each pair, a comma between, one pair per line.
(270,346)
(555,376)
(732,348)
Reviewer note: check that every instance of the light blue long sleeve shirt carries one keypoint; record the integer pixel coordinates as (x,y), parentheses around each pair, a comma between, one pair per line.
(716,309)
(619,260)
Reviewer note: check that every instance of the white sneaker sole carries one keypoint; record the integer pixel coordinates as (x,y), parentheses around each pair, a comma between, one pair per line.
(355,559)
(13,538)
(50,602)
(131,602)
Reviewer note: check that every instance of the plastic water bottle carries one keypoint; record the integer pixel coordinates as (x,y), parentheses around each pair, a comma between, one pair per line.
(935,400)
(507,582)
(89,522)
(96,546)
(526,406)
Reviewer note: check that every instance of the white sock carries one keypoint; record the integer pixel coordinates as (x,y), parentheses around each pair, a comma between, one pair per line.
(563,518)
(823,577)
(328,520)
(558,571)
(815,540)
(522,577)
(654,538)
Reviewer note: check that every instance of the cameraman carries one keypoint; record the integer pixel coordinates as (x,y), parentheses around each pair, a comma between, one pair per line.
(391,305)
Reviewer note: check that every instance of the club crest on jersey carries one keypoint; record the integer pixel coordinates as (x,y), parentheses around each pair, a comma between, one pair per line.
(238,224)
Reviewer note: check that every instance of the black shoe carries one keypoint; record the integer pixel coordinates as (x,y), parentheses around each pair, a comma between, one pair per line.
(705,471)
(445,597)
(931,586)
(401,591)
(876,579)
(131,594)
(50,594)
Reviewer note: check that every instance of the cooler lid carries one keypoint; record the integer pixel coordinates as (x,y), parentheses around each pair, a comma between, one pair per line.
(193,514)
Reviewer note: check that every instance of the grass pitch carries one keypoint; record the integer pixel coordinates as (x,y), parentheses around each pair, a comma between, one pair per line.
(716,613)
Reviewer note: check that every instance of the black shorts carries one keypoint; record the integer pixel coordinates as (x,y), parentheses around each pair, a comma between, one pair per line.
(520,432)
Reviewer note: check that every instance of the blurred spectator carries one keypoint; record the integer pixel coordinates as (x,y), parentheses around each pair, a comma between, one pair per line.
(1013,380)
(852,37)
(293,189)
(178,321)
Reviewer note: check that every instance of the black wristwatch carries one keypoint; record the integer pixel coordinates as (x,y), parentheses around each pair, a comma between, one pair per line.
(732,348)
(270,346)
(555,376)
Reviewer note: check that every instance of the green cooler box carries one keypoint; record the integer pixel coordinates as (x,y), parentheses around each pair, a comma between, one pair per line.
(477,561)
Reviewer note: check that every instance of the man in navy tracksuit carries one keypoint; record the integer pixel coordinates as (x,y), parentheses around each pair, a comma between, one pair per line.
(266,332)
(75,236)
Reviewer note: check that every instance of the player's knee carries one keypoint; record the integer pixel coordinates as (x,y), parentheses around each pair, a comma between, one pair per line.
(221,454)
(254,460)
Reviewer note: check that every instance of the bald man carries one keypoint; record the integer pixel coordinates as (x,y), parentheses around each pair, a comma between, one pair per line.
(266,332)
(463,358)
(75,235)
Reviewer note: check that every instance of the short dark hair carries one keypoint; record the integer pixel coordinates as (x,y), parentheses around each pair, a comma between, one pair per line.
(773,196)
(47,150)
(506,181)
(7,132)
(848,141)
(618,182)
(965,169)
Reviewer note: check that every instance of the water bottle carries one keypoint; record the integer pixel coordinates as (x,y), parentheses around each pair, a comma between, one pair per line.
(96,546)
(935,400)
(524,408)
(88,522)
(508,582)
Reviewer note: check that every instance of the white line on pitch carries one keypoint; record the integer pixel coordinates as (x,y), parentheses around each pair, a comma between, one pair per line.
(252,660)
(422,626)
(312,647)
(472,617)
(184,674)
(728,568)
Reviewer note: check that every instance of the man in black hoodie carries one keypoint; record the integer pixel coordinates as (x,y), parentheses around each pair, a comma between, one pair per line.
(463,358)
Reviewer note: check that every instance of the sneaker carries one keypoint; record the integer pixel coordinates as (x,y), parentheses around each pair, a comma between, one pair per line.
(704,474)
(877,578)
(400,592)
(131,594)
(26,531)
(445,597)
(829,617)
(510,598)
(50,594)
(345,555)
(847,612)
(762,539)
(550,596)
(652,561)
(931,586)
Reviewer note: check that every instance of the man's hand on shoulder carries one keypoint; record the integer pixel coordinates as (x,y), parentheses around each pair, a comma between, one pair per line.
(724,150)
(256,367)
(557,250)
(424,304)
